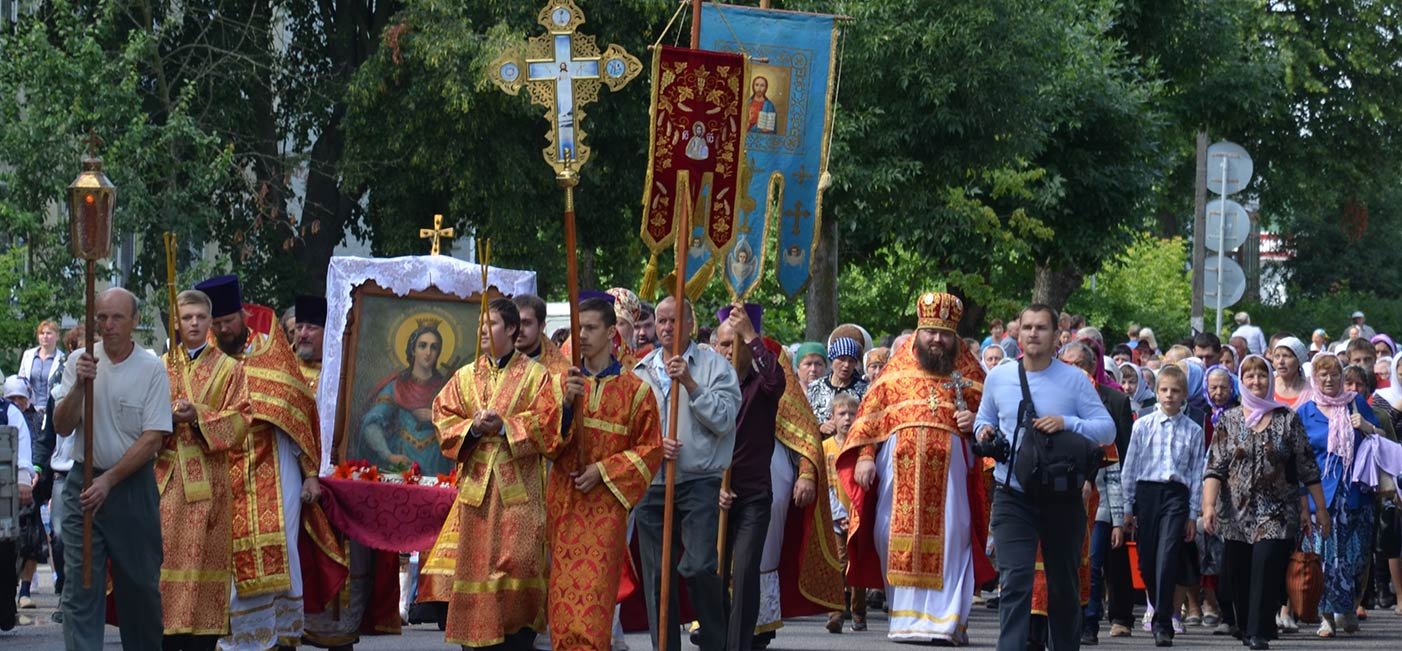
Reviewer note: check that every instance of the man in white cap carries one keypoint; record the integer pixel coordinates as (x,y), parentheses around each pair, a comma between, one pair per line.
(13,416)
(1255,338)
(1364,330)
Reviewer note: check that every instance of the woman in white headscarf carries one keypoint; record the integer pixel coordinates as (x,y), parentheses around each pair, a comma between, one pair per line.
(1392,393)
(1292,389)
(1141,393)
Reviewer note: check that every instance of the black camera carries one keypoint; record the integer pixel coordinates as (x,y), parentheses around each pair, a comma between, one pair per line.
(998,449)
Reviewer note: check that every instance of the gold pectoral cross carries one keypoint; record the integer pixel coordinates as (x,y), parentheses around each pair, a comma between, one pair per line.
(934,400)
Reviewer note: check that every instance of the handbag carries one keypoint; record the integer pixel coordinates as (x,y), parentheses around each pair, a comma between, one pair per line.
(33,540)
(1050,467)
(1304,582)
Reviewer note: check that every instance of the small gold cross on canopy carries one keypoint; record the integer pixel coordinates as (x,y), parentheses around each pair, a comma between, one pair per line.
(437,233)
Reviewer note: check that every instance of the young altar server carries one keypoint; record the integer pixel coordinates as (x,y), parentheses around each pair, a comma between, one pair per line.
(604,460)
(212,415)
(493,417)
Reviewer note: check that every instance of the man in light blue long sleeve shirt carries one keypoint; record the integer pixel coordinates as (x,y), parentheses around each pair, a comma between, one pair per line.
(1059,391)
(1065,402)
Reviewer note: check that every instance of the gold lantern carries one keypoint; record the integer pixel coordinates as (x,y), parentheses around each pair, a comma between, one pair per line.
(91,200)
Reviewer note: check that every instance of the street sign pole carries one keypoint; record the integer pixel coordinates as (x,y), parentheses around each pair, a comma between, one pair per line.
(1221,245)
(1199,231)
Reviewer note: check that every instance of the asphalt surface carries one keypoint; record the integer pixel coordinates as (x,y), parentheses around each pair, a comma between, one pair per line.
(1382,630)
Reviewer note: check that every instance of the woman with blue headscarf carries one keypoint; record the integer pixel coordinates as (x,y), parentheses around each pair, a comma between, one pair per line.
(1222,393)
(1198,408)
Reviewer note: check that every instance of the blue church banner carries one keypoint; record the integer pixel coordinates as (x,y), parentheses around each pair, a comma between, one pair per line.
(788,114)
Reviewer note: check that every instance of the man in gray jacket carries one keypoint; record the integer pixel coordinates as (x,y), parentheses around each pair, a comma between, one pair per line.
(710,402)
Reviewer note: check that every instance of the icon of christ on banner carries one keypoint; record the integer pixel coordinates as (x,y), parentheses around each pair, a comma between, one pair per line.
(697,142)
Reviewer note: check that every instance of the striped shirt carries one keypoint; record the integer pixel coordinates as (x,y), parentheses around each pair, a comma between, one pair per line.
(1165,449)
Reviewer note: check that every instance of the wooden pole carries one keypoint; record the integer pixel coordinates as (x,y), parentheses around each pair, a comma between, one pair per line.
(683,234)
(89,330)
(567,180)
(723,521)
(673,409)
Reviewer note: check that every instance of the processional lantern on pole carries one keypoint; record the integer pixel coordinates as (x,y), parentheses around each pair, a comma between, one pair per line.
(92,199)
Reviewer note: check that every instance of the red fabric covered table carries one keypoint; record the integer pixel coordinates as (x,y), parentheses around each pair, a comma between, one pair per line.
(389,517)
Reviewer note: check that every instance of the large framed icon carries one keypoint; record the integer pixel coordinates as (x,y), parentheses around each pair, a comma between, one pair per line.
(397,329)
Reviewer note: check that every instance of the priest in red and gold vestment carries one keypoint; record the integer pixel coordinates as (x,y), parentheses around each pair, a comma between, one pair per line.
(601,470)
(212,414)
(272,474)
(436,576)
(809,575)
(493,417)
(919,515)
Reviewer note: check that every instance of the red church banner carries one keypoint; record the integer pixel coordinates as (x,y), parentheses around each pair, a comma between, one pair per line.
(697,141)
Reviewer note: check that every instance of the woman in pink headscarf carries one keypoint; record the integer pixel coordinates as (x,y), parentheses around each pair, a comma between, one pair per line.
(1336,422)
(1262,454)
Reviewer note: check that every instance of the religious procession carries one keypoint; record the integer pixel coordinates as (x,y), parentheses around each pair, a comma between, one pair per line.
(1043,327)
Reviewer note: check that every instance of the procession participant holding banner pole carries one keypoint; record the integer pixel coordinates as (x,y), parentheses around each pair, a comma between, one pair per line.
(703,397)
(696,153)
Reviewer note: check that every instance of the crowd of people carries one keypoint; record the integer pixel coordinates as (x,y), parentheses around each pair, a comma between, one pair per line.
(1045,471)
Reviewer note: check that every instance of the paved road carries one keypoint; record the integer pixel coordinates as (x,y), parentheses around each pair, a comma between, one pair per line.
(1382,631)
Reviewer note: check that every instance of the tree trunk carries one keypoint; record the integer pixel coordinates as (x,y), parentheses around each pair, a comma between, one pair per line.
(974,313)
(588,271)
(327,209)
(820,308)
(1054,285)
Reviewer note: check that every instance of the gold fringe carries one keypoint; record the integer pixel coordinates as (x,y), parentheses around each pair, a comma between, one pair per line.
(648,289)
(697,285)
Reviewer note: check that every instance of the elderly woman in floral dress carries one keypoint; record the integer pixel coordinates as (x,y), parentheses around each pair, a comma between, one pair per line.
(1261,456)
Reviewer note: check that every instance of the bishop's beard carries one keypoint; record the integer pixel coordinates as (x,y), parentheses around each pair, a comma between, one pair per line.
(936,358)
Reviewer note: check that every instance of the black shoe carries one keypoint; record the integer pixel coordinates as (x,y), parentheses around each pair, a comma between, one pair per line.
(1163,639)
(696,637)
(991,604)
(876,600)
(1090,638)
(762,640)
(1258,644)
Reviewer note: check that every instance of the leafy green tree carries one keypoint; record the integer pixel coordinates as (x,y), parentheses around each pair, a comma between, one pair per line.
(58,82)
(1146,283)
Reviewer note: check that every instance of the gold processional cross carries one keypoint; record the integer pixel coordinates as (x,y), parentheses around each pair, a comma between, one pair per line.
(563,70)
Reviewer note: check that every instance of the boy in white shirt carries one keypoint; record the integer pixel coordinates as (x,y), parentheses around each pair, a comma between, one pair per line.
(1159,476)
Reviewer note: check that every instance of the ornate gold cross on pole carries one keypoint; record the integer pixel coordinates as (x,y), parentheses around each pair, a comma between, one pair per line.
(437,233)
(563,70)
